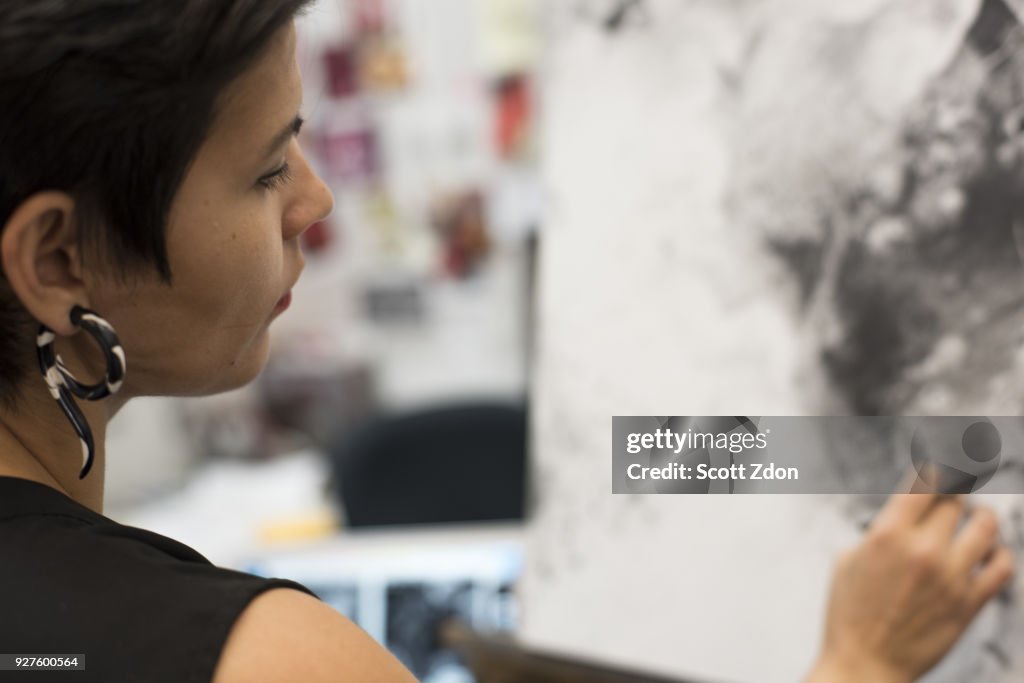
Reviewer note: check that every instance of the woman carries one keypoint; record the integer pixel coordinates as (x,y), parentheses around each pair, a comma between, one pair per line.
(152,195)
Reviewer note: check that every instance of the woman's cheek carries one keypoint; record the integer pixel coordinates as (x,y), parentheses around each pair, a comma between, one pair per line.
(265,283)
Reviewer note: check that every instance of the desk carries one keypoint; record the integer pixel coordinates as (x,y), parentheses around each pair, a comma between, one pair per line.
(400,585)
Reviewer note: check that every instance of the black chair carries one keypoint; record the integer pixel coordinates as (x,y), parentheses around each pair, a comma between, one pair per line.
(456,463)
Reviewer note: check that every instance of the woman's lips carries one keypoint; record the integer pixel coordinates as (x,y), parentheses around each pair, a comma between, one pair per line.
(284,303)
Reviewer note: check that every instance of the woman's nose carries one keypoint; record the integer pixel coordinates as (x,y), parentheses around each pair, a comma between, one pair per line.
(312,204)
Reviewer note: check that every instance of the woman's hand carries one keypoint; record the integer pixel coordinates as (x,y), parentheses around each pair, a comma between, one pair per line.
(903,597)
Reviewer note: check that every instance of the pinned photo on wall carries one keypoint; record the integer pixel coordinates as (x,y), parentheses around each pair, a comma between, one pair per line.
(341,70)
(513,115)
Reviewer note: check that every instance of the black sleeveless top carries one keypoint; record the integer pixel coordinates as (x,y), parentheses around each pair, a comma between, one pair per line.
(141,607)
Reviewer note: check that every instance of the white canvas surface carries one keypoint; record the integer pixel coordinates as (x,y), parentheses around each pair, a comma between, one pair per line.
(675,147)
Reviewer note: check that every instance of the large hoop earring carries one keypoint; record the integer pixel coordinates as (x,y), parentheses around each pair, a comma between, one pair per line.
(62,383)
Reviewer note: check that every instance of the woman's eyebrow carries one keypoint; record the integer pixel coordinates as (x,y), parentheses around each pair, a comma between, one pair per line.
(284,136)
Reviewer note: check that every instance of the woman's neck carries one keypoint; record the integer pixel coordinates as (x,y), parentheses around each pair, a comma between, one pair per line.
(38,443)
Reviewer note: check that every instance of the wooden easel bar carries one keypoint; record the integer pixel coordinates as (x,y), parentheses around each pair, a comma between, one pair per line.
(499,659)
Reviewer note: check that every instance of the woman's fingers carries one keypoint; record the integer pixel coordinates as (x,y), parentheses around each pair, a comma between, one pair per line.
(975,541)
(941,520)
(907,509)
(992,576)
(903,597)
(903,510)
(978,556)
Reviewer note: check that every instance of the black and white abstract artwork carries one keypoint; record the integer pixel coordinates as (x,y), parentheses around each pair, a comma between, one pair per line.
(766,207)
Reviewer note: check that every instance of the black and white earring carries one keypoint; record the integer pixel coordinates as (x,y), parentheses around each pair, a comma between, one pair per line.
(62,383)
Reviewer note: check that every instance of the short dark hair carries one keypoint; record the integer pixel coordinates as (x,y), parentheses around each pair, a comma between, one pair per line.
(110,101)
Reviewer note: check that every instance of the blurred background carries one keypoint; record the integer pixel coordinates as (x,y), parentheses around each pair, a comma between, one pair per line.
(549,213)
(381,457)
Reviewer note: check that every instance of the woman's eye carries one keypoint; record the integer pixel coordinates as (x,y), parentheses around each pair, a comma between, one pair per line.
(276,179)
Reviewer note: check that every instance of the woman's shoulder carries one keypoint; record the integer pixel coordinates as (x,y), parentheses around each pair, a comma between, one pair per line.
(88,584)
(285,635)
(77,579)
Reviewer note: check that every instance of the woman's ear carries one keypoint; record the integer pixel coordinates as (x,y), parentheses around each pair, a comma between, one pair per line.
(40,258)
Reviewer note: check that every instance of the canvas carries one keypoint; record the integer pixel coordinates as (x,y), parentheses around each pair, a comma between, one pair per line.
(775,207)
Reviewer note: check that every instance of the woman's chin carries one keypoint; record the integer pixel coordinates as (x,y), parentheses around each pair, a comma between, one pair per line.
(250,364)
(235,373)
